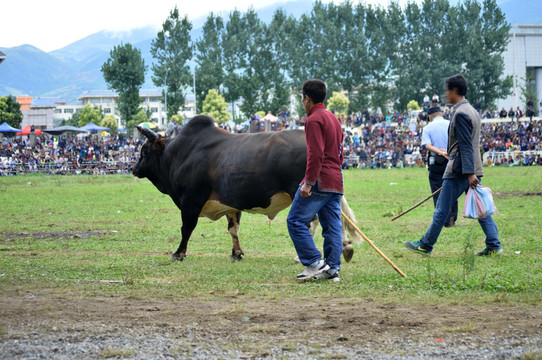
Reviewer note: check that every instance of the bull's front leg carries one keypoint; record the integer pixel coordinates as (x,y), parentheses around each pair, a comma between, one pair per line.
(190,220)
(233,227)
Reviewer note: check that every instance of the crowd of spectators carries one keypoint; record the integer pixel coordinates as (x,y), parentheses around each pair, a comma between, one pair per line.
(373,140)
(68,155)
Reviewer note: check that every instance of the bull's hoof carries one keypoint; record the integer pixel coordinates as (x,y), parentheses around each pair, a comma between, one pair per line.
(237,255)
(177,257)
(348,253)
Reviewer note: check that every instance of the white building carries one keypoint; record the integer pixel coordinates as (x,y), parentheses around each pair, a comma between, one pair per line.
(152,101)
(43,113)
(522,57)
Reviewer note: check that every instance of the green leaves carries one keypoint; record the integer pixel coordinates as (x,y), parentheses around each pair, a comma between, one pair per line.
(10,111)
(124,72)
(216,106)
(172,49)
(89,113)
(442,40)
(378,56)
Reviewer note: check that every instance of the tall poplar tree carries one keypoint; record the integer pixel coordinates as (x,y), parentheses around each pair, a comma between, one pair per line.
(209,57)
(124,72)
(172,49)
(232,51)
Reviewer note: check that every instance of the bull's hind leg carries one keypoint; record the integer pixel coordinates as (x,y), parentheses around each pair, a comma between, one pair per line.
(233,227)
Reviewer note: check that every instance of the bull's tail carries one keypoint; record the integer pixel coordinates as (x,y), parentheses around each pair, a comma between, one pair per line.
(356,238)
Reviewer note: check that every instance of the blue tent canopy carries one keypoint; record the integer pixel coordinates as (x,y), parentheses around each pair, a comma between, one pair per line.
(6,128)
(93,127)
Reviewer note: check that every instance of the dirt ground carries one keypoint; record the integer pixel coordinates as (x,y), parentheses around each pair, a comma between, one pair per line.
(344,321)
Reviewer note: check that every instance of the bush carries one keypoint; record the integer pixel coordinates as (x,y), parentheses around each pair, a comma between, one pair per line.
(413,104)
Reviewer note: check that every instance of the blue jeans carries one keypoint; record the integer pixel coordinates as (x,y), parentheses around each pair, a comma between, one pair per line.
(451,191)
(328,207)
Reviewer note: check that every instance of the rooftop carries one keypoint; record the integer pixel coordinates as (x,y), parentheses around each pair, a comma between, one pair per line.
(47,102)
(111,93)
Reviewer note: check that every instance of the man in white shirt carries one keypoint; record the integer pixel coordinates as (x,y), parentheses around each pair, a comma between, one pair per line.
(435,140)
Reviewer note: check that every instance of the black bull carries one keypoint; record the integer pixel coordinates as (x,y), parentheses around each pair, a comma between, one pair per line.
(209,172)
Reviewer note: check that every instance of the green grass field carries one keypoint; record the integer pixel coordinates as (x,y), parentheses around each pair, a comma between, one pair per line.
(141,227)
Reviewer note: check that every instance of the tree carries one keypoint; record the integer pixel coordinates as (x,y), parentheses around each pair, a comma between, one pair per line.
(72,121)
(88,113)
(339,102)
(528,91)
(486,32)
(216,106)
(124,72)
(172,49)
(210,70)
(437,40)
(10,111)
(232,51)
(413,104)
(137,119)
(110,122)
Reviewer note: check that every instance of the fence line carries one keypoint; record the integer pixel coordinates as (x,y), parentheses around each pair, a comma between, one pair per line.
(85,167)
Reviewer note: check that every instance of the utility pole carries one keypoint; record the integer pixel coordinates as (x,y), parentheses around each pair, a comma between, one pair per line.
(165,100)
(195,107)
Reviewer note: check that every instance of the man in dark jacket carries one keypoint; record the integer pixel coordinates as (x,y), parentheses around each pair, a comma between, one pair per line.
(321,190)
(464,169)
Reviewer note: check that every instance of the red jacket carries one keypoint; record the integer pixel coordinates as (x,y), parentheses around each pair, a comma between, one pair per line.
(324,136)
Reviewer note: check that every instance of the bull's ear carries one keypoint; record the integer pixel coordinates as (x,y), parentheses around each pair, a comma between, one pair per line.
(159,144)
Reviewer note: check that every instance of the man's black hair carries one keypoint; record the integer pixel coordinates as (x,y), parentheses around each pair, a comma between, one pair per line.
(458,82)
(315,89)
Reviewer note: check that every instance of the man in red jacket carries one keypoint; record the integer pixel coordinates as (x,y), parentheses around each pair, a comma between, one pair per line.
(321,190)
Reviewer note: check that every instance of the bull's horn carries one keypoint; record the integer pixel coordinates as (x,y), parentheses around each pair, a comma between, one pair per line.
(148,133)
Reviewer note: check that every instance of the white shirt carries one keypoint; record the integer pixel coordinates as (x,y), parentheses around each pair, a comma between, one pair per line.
(436,133)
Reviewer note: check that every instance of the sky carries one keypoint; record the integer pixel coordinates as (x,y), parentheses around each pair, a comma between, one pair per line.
(53,24)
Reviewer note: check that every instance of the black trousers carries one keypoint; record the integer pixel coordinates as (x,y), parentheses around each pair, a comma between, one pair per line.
(436,171)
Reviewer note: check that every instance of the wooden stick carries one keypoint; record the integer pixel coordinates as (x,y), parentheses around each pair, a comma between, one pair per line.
(373,245)
(418,204)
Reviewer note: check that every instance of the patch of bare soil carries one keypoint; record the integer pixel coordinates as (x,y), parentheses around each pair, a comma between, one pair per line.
(54,235)
(266,324)
(518,193)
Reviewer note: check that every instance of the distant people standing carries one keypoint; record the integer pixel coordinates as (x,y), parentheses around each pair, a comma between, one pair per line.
(503,114)
(519,114)
(511,113)
(530,109)
(435,140)
(478,107)
(170,128)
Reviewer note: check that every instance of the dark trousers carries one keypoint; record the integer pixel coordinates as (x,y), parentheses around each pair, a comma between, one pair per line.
(436,171)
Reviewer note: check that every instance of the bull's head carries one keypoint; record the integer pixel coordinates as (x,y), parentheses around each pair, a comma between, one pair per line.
(149,154)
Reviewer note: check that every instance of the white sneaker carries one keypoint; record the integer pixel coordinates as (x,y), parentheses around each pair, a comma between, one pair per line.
(311,272)
(326,276)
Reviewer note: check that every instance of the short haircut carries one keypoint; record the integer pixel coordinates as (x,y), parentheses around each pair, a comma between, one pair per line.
(457,82)
(315,89)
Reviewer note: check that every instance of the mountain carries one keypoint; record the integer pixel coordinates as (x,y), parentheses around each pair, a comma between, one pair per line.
(29,70)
